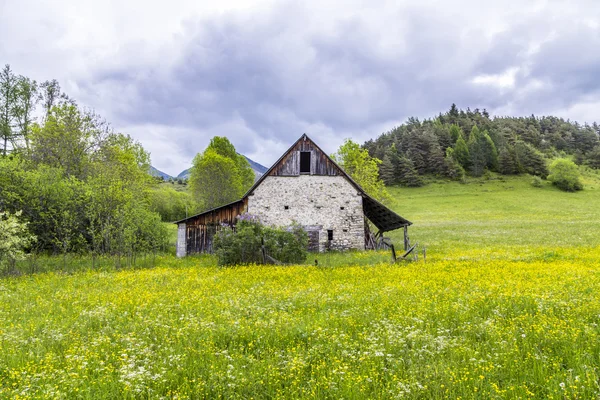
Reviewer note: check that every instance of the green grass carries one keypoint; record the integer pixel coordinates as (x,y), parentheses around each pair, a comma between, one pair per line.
(505,307)
(498,216)
(174,185)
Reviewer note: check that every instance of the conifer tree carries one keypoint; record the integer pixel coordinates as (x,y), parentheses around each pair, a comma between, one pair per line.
(507,161)
(406,173)
(593,158)
(416,158)
(455,133)
(461,152)
(453,169)
(387,171)
(491,153)
(530,160)
(477,152)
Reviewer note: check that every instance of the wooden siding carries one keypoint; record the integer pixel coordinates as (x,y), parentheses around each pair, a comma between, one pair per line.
(320,163)
(200,230)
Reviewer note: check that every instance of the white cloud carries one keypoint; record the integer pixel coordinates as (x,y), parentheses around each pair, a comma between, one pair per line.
(504,80)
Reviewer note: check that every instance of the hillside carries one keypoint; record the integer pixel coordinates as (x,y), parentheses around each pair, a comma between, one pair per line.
(458,143)
(158,173)
(502,215)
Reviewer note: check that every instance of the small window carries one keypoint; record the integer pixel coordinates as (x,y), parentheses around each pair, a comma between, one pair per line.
(286,207)
(305,162)
(341,208)
(345,230)
(330,234)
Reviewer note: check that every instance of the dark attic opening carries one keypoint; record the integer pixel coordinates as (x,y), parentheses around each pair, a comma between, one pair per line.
(305,162)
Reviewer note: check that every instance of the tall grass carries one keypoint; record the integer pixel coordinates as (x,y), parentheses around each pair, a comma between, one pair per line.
(445,329)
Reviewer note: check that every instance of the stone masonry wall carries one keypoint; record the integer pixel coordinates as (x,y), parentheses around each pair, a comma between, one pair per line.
(181,242)
(316,202)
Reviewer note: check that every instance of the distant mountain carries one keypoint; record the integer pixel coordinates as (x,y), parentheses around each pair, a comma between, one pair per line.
(155,172)
(258,169)
(184,174)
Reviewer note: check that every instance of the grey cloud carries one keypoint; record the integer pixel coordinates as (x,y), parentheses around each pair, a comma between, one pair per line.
(268,77)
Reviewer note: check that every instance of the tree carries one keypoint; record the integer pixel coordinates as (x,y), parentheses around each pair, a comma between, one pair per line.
(530,160)
(491,153)
(453,169)
(51,95)
(453,113)
(397,169)
(363,168)
(478,159)
(406,174)
(171,204)
(461,152)
(507,161)
(219,175)
(482,151)
(564,174)
(455,133)
(443,134)
(593,158)
(223,146)
(81,187)
(8,92)
(26,98)
(387,171)
(68,139)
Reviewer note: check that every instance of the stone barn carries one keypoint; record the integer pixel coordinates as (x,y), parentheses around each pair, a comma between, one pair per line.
(305,186)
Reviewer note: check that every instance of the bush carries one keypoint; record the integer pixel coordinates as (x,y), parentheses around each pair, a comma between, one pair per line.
(565,175)
(14,239)
(244,244)
(537,182)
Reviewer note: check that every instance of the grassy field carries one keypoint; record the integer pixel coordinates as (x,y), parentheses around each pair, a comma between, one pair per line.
(503,216)
(505,307)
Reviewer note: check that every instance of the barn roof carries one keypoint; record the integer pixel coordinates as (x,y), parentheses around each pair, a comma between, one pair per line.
(382,217)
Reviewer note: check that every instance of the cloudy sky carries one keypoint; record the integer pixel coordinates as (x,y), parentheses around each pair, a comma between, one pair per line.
(175,73)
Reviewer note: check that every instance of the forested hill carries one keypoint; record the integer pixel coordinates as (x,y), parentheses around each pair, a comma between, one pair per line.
(471,141)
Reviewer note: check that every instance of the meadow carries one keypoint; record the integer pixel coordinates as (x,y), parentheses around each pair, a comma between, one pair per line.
(506,306)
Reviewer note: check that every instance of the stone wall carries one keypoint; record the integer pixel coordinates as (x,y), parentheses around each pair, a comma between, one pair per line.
(319,203)
(181,240)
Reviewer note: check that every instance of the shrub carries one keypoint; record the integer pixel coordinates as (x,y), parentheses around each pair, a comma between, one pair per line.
(565,175)
(14,238)
(537,182)
(244,244)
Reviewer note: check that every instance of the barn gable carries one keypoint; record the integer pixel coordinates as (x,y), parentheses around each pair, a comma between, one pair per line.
(303,159)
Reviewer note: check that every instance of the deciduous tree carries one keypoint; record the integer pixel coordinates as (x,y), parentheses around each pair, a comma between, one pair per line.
(363,168)
(8,93)
(219,175)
